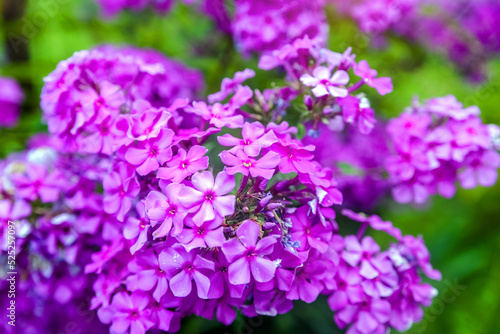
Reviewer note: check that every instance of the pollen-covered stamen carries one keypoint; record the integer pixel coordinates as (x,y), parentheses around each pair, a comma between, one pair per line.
(209,196)
(172,211)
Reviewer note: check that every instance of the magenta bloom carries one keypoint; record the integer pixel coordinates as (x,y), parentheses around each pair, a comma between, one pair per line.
(241,163)
(208,198)
(347,288)
(102,257)
(220,279)
(367,317)
(480,169)
(148,155)
(103,137)
(248,255)
(37,183)
(294,157)
(448,106)
(11,211)
(254,139)
(185,267)
(128,311)
(11,97)
(307,284)
(147,121)
(325,83)
(309,232)
(374,222)
(164,209)
(365,253)
(229,86)
(147,275)
(218,115)
(121,187)
(209,234)
(409,124)
(288,263)
(369,76)
(104,286)
(184,164)
(137,227)
(358,111)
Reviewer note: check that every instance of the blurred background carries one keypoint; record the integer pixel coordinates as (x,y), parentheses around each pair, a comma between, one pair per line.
(462,234)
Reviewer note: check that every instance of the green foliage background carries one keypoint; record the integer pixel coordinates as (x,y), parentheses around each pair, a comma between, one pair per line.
(463,234)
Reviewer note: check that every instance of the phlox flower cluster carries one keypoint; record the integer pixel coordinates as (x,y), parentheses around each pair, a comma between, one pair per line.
(160,229)
(263,26)
(465,30)
(90,97)
(49,200)
(330,84)
(358,163)
(437,144)
(11,97)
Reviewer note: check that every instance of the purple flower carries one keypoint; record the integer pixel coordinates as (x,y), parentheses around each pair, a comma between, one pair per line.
(209,234)
(294,157)
(448,106)
(147,274)
(102,257)
(218,115)
(247,255)
(128,311)
(165,209)
(11,97)
(267,26)
(14,212)
(364,253)
(241,163)
(367,317)
(184,267)
(137,227)
(255,137)
(325,83)
(480,169)
(184,164)
(408,125)
(415,253)
(209,198)
(229,86)
(288,261)
(310,232)
(369,77)
(374,222)
(38,183)
(148,155)
(147,122)
(220,279)
(470,132)
(358,111)
(104,287)
(121,187)
(347,288)
(307,284)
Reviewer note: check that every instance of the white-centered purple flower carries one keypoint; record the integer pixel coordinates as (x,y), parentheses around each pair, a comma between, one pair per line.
(247,255)
(209,197)
(326,83)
